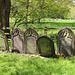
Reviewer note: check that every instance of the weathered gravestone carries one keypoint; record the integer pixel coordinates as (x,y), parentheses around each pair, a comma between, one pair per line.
(65,42)
(3,41)
(30,41)
(17,38)
(45,46)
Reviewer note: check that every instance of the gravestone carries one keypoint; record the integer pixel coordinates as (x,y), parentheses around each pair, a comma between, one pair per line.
(30,41)
(3,41)
(17,38)
(65,42)
(45,46)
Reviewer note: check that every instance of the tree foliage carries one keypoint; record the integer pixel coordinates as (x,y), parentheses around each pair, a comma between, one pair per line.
(25,11)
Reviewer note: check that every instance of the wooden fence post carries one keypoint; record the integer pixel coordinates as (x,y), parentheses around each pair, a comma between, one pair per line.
(45,30)
(6,31)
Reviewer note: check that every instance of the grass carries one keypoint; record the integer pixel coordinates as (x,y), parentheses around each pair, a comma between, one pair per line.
(24,64)
(49,23)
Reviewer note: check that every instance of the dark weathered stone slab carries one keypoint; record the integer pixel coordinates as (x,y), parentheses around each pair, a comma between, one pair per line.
(30,41)
(65,42)
(17,38)
(45,46)
(3,41)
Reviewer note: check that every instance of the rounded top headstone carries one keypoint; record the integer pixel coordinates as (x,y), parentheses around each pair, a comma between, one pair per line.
(17,38)
(31,32)
(65,42)
(45,46)
(3,40)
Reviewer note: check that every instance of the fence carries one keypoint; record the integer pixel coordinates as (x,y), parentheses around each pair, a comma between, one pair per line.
(45,29)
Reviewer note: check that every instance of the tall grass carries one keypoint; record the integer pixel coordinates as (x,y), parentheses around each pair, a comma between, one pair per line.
(23,64)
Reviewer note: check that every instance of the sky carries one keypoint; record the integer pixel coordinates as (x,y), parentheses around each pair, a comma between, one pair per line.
(74,1)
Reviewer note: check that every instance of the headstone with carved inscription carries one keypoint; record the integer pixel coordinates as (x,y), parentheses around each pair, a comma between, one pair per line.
(3,41)
(65,42)
(30,41)
(17,38)
(45,46)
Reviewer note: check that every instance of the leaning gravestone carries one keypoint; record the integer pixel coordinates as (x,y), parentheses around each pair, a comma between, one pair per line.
(3,41)
(45,46)
(30,41)
(65,42)
(17,38)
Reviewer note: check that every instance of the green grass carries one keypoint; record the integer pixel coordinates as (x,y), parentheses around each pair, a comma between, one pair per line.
(49,23)
(24,64)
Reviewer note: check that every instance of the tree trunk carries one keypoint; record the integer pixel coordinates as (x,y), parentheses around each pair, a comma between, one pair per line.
(39,20)
(0,11)
(26,12)
(40,10)
(4,14)
(33,11)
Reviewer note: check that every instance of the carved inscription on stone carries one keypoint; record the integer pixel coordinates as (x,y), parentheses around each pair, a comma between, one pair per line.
(65,42)
(18,40)
(30,40)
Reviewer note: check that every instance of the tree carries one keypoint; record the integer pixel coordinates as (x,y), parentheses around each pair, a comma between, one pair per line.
(19,11)
(4,14)
(32,8)
(25,11)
